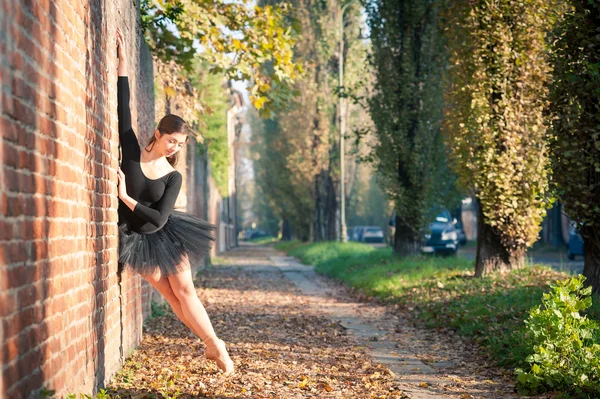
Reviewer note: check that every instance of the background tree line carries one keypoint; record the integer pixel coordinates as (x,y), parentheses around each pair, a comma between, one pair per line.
(500,95)
(297,155)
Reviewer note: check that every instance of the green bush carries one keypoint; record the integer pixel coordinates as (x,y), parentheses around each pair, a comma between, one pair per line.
(158,309)
(566,357)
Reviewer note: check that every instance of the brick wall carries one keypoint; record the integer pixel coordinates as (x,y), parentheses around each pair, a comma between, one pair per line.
(67,318)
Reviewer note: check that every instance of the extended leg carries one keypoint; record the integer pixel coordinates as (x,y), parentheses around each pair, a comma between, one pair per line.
(183,286)
(161,283)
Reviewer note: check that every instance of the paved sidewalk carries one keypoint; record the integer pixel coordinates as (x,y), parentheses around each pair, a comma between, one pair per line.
(295,334)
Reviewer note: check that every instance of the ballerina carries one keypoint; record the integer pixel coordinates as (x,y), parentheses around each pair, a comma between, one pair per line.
(154,239)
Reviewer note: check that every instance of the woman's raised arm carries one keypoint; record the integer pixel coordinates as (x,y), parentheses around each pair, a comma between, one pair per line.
(122,67)
(127,137)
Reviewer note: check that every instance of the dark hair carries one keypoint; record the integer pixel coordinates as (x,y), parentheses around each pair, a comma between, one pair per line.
(169,124)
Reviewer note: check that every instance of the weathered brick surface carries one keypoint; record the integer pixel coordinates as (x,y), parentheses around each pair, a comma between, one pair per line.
(67,318)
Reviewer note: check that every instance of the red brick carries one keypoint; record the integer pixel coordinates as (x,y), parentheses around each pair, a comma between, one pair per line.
(16,253)
(47,349)
(30,383)
(20,276)
(48,130)
(10,155)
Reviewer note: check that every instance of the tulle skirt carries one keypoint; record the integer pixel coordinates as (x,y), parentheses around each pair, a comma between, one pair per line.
(182,235)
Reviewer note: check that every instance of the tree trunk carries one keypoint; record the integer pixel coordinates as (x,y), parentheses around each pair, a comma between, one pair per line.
(591,267)
(332,207)
(491,254)
(316,231)
(557,236)
(404,240)
(286,230)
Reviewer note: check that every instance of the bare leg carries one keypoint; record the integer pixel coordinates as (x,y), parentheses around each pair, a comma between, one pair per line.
(183,286)
(161,283)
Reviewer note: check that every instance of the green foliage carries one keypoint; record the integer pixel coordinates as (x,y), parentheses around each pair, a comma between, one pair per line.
(238,39)
(102,394)
(575,133)
(47,393)
(264,240)
(367,202)
(566,355)
(215,99)
(158,309)
(496,94)
(296,155)
(406,107)
(280,192)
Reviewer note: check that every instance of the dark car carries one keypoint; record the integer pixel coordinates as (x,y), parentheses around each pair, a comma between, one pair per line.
(575,243)
(441,236)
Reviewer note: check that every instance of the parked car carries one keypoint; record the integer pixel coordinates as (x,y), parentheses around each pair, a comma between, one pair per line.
(575,243)
(372,234)
(357,233)
(441,236)
(250,234)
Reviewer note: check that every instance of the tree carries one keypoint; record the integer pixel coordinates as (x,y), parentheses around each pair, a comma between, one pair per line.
(238,39)
(575,133)
(285,188)
(496,96)
(301,151)
(406,109)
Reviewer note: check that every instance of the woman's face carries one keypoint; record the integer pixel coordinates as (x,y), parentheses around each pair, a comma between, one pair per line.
(170,144)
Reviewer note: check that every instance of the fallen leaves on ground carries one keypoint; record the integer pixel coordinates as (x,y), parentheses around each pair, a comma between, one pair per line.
(279,350)
(282,349)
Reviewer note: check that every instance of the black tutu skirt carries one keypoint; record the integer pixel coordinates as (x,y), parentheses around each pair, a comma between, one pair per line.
(182,235)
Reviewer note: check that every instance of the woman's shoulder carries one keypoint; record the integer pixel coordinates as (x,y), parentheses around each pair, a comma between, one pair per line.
(174,175)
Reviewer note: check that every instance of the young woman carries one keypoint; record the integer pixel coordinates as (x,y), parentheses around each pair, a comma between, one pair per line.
(155,240)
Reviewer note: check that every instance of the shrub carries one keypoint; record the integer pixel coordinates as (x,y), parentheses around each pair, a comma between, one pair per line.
(565,357)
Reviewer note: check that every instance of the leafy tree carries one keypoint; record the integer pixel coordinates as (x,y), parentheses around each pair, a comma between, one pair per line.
(368,204)
(406,109)
(242,41)
(300,150)
(216,102)
(575,135)
(281,190)
(202,101)
(494,120)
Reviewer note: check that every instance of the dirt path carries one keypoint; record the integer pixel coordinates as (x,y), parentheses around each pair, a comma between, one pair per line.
(294,334)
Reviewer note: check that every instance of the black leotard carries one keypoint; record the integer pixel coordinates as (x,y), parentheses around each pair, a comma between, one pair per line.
(155,197)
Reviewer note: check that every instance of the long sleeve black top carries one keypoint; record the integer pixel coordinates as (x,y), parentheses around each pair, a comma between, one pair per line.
(156,197)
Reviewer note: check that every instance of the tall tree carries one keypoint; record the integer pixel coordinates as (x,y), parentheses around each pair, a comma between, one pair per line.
(304,141)
(496,95)
(575,135)
(406,109)
(284,187)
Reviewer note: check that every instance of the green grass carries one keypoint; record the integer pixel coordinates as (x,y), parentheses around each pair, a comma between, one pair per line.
(441,291)
(264,240)
(286,246)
